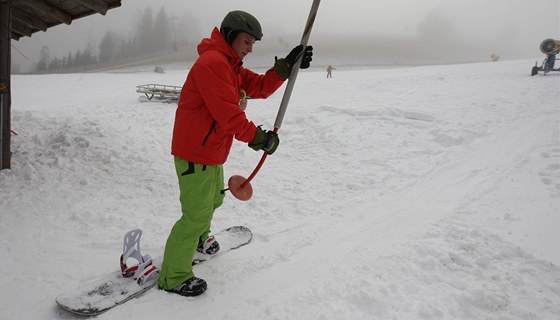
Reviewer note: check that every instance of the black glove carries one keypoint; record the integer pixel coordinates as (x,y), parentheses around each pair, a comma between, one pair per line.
(267,141)
(284,66)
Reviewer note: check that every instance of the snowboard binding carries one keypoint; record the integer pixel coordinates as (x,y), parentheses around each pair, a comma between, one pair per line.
(133,263)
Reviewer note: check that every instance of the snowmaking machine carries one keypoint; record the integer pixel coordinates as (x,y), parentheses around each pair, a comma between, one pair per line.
(550,48)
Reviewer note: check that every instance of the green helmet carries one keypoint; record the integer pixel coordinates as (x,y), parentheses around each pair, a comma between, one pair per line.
(237,21)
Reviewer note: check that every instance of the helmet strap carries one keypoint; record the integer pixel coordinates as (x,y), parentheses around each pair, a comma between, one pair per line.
(232,35)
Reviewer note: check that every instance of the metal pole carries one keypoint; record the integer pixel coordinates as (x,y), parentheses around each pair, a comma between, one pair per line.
(294,73)
(290,85)
(237,190)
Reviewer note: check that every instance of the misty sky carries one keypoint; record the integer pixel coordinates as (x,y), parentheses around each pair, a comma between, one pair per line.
(525,23)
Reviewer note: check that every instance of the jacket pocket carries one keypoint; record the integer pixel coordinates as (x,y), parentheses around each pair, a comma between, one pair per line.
(212,128)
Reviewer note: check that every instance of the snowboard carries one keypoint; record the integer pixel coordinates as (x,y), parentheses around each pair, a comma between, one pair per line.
(95,296)
(229,239)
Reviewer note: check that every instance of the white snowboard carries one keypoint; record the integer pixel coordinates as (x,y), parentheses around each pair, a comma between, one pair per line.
(95,296)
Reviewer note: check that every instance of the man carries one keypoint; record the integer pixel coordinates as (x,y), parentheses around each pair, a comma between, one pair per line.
(209,116)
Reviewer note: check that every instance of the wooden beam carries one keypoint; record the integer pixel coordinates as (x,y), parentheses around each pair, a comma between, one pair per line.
(21,29)
(28,20)
(5,90)
(36,15)
(95,5)
(49,10)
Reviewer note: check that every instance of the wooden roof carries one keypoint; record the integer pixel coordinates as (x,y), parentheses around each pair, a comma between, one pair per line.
(30,16)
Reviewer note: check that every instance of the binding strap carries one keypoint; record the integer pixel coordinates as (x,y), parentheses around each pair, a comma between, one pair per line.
(142,268)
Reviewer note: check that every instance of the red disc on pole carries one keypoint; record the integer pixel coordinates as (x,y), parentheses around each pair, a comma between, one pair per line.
(240,191)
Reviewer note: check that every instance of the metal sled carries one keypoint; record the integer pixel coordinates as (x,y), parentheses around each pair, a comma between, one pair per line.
(159,93)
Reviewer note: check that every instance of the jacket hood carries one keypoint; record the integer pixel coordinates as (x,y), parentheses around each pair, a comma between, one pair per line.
(217,42)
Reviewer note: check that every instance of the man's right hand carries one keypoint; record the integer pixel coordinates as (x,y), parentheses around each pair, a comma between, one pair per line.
(265,140)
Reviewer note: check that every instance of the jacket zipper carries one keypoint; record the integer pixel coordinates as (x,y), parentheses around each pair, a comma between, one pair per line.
(212,128)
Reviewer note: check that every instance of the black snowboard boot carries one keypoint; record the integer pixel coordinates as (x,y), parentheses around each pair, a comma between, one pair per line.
(190,288)
(209,247)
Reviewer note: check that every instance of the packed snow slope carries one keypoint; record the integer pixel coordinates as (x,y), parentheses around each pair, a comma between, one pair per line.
(413,193)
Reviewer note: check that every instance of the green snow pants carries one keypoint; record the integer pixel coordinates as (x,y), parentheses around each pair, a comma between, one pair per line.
(201,192)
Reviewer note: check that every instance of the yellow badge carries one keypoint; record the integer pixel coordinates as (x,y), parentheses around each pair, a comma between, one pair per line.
(243,99)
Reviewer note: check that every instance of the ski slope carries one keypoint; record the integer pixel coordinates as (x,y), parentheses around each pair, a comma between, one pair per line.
(409,193)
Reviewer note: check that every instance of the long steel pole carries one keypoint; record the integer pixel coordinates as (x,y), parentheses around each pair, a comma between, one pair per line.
(295,71)
(289,86)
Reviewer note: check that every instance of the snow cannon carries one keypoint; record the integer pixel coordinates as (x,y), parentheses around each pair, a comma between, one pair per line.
(550,48)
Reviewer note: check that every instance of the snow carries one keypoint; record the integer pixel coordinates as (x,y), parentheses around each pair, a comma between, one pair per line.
(407,193)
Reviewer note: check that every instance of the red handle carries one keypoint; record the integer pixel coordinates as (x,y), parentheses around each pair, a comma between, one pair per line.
(259,165)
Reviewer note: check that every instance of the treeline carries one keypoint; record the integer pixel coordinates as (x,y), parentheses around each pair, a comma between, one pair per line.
(151,34)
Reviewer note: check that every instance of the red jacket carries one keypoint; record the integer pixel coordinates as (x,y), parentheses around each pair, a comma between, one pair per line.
(208,116)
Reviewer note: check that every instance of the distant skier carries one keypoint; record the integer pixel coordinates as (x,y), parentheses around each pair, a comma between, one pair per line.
(329,71)
(209,116)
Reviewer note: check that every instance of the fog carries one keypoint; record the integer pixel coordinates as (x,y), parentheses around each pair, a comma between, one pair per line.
(345,32)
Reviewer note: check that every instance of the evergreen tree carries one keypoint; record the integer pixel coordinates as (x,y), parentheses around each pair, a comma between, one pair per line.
(90,56)
(44,58)
(108,47)
(161,30)
(69,60)
(55,64)
(144,40)
(77,59)
(126,49)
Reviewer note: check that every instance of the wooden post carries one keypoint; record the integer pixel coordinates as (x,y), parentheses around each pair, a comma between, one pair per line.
(5,90)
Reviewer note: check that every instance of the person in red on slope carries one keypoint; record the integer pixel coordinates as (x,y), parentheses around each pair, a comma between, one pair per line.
(329,71)
(209,116)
